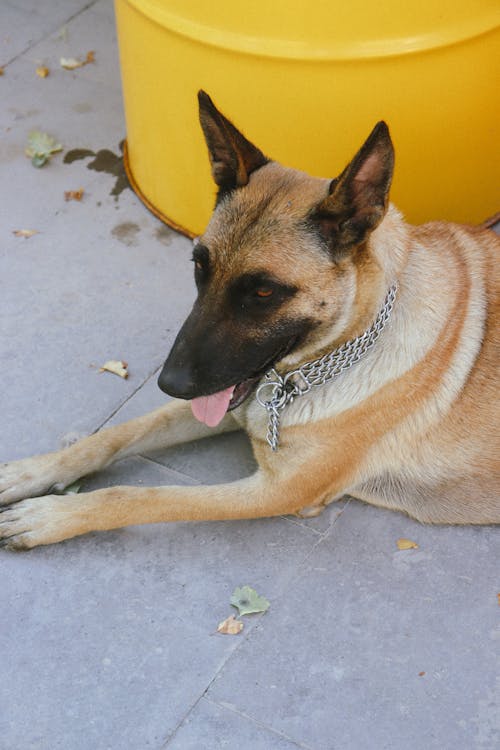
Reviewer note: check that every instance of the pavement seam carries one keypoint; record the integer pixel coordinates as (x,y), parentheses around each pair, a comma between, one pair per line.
(258,624)
(34,42)
(302,566)
(127,399)
(202,694)
(193,482)
(244,715)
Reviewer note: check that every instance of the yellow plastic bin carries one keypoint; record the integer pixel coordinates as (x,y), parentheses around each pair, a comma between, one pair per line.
(306,82)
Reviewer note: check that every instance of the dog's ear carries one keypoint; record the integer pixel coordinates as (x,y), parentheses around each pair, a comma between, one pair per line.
(358,198)
(232,157)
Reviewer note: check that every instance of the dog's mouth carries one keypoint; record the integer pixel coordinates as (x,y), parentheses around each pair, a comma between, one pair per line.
(211,409)
(242,391)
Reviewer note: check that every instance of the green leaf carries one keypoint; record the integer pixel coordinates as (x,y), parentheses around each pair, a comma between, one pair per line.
(72,489)
(38,160)
(40,148)
(247,601)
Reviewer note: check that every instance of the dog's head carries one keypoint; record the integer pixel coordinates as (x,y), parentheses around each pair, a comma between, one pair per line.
(279,267)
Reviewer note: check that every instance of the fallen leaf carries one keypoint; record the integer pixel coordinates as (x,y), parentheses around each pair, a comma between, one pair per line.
(71,63)
(42,71)
(1,71)
(74,195)
(247,601)
(117,367)
(498,599)
(72,489)
(230,626)
(40,148)
(406,544)
(421,674)
(26,233)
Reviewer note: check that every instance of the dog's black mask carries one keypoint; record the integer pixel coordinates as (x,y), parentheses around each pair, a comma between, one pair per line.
(212,353)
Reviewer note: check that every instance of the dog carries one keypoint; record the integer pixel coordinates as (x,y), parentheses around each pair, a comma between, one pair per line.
(359,353)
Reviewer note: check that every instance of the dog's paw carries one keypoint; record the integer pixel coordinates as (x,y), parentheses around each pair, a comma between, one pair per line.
(31,477)
(43,520)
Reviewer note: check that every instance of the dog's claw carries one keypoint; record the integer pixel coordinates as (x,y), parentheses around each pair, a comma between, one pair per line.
(36,521)
(10,543)
(15,543)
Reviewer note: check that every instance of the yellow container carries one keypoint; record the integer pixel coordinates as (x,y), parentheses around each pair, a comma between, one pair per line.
(306,82)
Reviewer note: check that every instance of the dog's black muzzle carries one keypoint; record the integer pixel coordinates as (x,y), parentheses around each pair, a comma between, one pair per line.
(197,364)
(176,378)
(213,353)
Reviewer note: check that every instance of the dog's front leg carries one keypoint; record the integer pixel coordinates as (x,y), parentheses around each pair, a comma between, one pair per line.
(56,517)
(169,425)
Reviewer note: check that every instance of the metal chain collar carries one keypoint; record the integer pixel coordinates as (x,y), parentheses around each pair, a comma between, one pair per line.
(300,381)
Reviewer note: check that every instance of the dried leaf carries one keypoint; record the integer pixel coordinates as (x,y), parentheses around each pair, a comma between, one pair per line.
(421,674)
(2,71)
(71,63)
(117,367)
(74,195)
(42,71)
(406,544)
(40,148)
(247,601)
(230,626)
(26,233)
(498,599)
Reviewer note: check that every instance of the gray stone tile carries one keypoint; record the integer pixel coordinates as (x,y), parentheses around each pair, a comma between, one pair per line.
(213,727)
(223,458)
(77,112)
(376,647)
(136,472)
(77,294)
(23,23)
(109,639)
(17,32)
(93,29)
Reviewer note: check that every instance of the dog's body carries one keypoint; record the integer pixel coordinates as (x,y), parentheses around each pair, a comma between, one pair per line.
(289,268)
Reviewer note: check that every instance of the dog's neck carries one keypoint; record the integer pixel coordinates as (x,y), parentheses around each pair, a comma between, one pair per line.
(281,390)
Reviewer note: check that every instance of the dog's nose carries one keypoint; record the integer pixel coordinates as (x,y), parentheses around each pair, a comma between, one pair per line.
(176,381)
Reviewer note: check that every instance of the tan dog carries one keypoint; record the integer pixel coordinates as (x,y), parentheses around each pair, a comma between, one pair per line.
(289,269)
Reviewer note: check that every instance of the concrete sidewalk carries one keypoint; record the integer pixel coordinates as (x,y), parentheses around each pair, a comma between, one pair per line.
(107,641)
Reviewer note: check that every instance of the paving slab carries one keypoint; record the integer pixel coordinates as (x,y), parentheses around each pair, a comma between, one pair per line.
(24,22)
(108,640)
(221,728)
(94,30)
(75,299)
(376,647)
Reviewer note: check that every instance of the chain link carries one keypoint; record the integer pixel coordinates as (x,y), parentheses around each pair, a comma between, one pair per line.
(318,372)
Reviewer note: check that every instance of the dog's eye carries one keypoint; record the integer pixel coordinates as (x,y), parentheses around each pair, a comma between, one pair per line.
(264,291)
(201,260)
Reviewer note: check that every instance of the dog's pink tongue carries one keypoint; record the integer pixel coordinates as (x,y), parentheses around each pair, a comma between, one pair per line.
(211,409)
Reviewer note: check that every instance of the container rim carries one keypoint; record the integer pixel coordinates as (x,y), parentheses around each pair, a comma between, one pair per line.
(303,50)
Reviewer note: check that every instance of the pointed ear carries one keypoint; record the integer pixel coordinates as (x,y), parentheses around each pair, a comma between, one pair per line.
(232,157)
(358,199)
